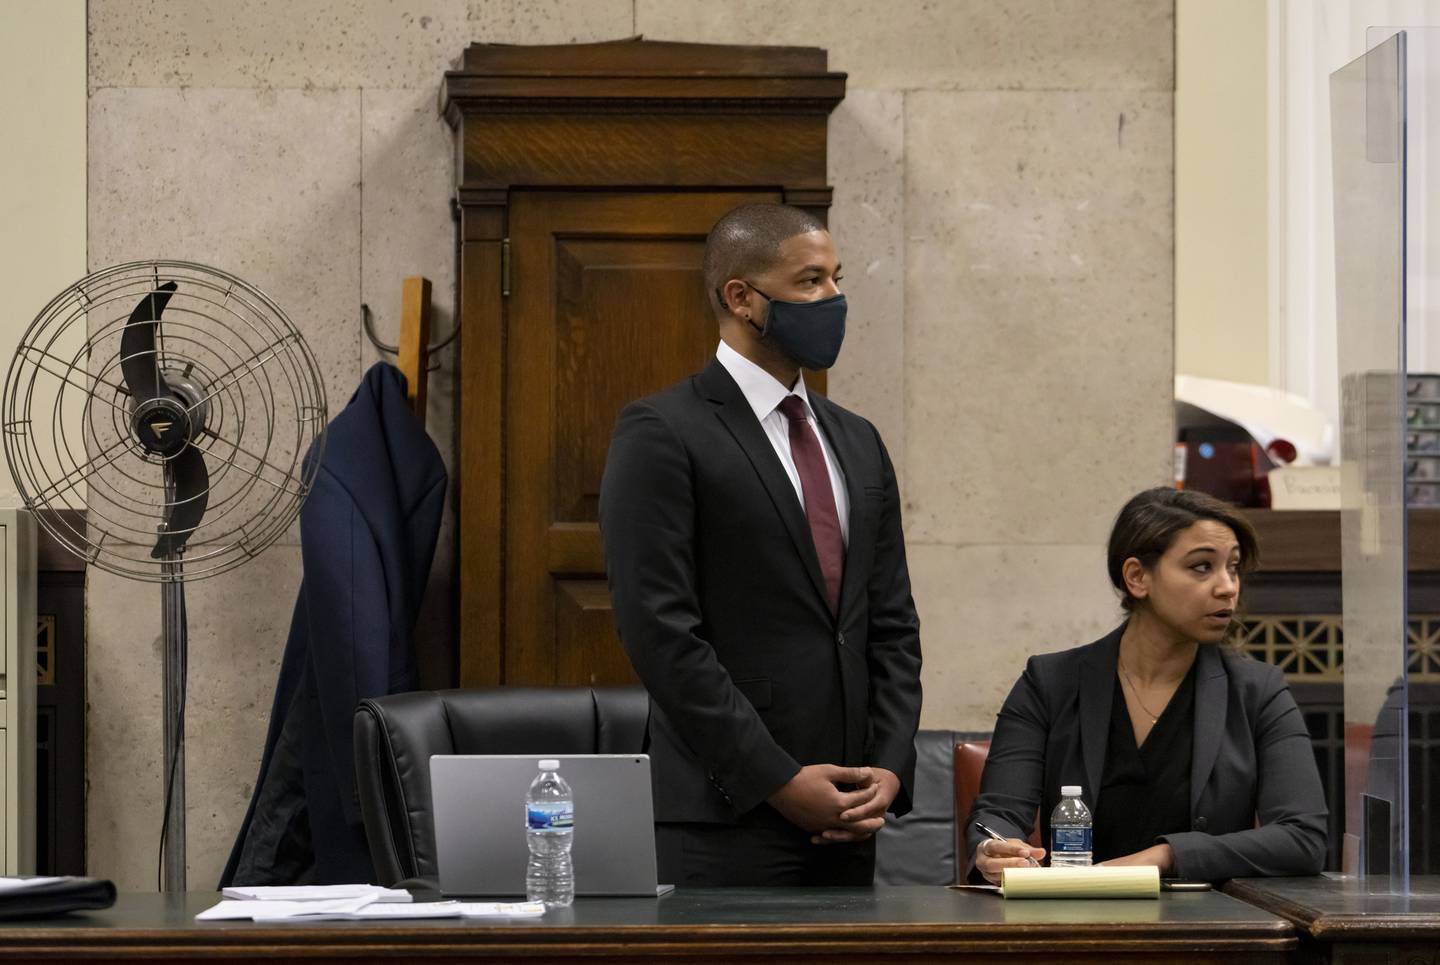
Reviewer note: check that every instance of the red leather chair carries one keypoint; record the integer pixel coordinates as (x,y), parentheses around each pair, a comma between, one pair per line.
(1357,770)
(969,766)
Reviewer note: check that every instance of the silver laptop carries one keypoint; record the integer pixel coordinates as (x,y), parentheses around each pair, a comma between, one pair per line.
(480,846)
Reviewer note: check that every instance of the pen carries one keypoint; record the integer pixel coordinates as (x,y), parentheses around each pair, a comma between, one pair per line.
(997,837)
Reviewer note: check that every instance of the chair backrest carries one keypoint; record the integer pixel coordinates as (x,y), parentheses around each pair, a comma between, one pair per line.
(970,759)
(969,766)
(396,736)
(919,848)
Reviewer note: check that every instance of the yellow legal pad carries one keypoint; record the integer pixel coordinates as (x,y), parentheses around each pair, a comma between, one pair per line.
(1140,881)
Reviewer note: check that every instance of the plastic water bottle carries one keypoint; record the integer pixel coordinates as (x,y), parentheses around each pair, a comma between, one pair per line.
(549,830)
(1071,830)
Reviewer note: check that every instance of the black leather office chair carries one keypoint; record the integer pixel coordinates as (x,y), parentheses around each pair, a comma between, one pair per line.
(395,737)
(919,849)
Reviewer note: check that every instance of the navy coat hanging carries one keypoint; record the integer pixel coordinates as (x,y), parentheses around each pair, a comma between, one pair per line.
(367,537)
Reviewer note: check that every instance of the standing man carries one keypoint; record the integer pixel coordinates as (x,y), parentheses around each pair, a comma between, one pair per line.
(757,569)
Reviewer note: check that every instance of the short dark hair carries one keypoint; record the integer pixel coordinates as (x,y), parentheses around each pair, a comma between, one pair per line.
(1151,520)
(747,240)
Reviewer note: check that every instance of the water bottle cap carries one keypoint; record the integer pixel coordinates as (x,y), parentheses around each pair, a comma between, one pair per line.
(1070,790)
(549,764)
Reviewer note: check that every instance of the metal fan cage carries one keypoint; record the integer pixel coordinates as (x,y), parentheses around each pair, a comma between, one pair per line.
(257,391)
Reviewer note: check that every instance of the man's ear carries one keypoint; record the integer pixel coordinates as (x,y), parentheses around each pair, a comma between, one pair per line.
(1137,578)
(735,298)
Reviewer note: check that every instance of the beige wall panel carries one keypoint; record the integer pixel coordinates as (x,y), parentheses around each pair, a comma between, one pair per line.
(262,184)
(986,609)
(238,622)
(947,45)
(866,158)
(408,183)
(322,43)
(1039,312)
(42,225)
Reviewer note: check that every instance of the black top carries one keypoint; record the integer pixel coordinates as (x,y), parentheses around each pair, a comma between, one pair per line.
(1145,791)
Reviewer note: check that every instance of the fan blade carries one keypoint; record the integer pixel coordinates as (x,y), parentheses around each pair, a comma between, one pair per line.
(192,494)
(138,361)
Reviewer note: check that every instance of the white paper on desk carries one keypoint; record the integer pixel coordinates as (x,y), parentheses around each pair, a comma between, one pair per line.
(453,909)
(9,885)
(315,893)
(352,909)
(501,909)
(281,910)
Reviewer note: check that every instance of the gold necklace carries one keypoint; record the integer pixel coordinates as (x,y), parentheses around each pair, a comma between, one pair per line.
(1125,675)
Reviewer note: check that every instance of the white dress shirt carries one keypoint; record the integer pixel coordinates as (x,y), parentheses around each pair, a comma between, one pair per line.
(765,393)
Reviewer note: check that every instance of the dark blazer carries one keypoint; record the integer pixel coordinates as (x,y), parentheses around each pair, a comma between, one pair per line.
(367,538)
(721,604)
(1252,758)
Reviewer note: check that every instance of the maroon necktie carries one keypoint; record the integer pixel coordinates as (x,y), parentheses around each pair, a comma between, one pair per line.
(819,497)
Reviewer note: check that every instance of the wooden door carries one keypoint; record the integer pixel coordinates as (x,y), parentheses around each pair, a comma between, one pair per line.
(603,166)
(607,304)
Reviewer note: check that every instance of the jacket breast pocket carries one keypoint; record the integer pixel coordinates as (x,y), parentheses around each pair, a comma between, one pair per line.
(756,690)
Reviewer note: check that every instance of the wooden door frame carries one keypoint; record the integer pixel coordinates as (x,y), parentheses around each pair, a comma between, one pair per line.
(523,118)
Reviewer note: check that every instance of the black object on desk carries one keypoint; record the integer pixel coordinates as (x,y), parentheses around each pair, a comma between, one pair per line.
(57,897)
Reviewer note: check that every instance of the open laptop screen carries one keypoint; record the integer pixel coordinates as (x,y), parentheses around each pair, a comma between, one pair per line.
(480,846)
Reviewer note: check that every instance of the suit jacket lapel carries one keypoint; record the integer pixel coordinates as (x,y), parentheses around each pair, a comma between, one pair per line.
(851,581)
(1097,691)
(737,416)
(1211,696)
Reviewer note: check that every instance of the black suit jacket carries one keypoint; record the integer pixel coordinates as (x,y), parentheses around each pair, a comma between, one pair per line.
(1252,758)
(721,604)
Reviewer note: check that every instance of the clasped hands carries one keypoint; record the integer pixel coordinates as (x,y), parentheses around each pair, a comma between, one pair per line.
(814,801)
(992,857)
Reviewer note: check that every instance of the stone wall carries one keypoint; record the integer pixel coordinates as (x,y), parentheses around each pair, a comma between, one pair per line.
(1003,174)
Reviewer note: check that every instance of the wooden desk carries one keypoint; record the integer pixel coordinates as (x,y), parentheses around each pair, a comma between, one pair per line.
(1339,921)
(695,926)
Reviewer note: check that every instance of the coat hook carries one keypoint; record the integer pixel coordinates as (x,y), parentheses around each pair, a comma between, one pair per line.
(395,349)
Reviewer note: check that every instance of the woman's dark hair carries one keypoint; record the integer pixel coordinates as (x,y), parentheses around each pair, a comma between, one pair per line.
(1151,520)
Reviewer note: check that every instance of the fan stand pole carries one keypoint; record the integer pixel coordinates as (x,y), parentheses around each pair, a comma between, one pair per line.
(172,597)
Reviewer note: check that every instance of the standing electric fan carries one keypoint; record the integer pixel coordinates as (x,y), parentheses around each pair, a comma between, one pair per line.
(179,403)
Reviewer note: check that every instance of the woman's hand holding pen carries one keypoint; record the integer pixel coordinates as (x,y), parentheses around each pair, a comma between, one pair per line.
(992,856)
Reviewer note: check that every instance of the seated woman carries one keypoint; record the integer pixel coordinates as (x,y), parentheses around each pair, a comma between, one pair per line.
(1192,755)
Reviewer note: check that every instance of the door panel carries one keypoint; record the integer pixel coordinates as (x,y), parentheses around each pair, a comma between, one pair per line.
(607,305)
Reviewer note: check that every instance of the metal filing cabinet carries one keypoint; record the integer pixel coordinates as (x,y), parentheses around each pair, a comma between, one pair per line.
(17,693)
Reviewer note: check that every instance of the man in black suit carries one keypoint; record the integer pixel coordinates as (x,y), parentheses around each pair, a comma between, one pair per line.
(757,570)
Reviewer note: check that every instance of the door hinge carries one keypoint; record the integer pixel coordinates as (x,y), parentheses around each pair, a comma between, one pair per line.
(505,267)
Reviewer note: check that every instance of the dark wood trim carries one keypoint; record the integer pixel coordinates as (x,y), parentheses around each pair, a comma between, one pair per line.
(1297,541)
(1308,541)
(480,480)
(129,932)
(1363,918)
(60,772)
(662,58)
(51,554)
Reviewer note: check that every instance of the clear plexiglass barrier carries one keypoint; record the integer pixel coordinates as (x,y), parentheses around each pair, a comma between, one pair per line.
(1389,357)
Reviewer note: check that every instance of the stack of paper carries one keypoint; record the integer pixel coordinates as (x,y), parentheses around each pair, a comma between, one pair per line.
(315,893)
(1109,881)
(351,902)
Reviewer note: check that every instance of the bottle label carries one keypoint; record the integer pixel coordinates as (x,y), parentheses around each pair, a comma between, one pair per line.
(550,817)
(1070,840)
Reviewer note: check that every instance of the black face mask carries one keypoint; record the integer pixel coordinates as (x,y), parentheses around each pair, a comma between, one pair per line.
(809,332)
